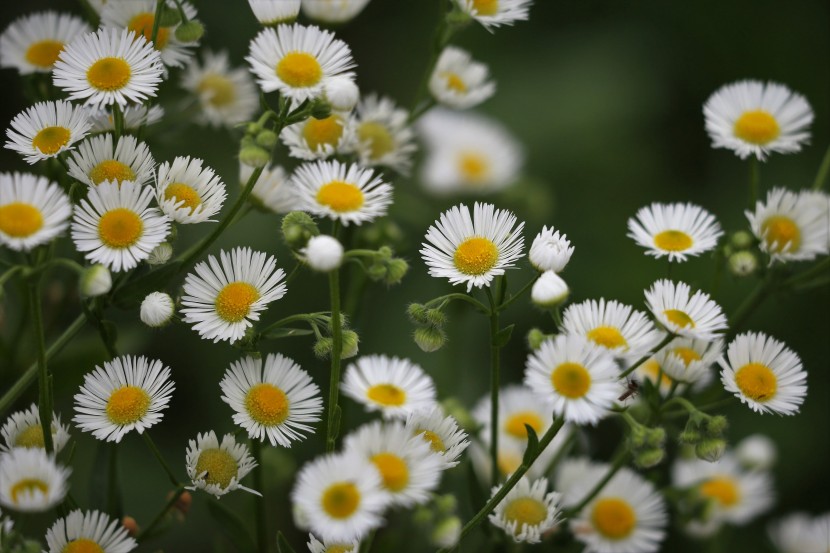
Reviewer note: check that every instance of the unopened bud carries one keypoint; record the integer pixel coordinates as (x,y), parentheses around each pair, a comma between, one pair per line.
(691,437)
(549,290)
(161,254)
(446,504)
(418,313)
(320,109)
(422,516)
(446,533)
(156,309)
(190,31)
(341,92)
(396,269)
(267,139)
(710,449)
(649,457)
(95,281)
(656,437)
(742,240)
(350,341)
(298,228)
(436,317)
(169,16)
(430,338)
(715,426)
(322,347)
(254,156)
(323,253)
(743,263)
(535,337)
(130,525)
(376,271)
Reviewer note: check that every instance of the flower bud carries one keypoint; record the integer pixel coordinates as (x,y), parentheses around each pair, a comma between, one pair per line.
(320,109)
(190,31)
(396,269)
(656,437)
(710,449)
(454,408)
(322,347)
(182,504)
(254,156)
(446,503)
(436,317)
(743,263)
(275,12)
(323,253)
(95,281)
(648,458)
(535,337)
(550,251)
(742,240)
(161,254)
(157,309)
(130,525)
(376,271)
(169,16)
(422,516)
(549,290)
(429,338)
(350,341)
(757,452)
(691,437)
(446,533)
(417,313)
(341,93)
(267,139)
(298,228)
(715,426)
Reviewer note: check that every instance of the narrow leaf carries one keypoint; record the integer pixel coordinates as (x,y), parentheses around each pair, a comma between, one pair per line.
(503,336)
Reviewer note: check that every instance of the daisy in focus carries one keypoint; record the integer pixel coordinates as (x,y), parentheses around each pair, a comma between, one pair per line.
(472,250)
(445,438)
(31,481)
(382,134)
(228,96)
(33,211)
(395,387)
(754,118)
(33,42)
(765,374)
(115,226)
(459,82)
(550,251)
(23,429)
(225,296)
(527,511)
(272,191)
(345,193)
(275,12)
(674,230)
(333,11)
(135,116)
(102,159)
(318,138)
(684,314)
(109,66)
(46,129)
(495,13)
(187,192)
(297,60)
(91,531)
(217,467)
(127,393)
(274,399)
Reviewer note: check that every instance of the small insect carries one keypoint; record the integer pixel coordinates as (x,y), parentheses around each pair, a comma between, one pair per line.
(632,388)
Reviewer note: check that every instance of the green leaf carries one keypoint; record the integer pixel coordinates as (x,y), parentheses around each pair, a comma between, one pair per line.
(503,336)
(131,294)
(232,526)
(532,444)
(285,332)
(282,544)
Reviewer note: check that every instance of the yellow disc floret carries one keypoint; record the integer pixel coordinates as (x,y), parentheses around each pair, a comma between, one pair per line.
(614,518)
(233,302)
(673,241)
(109,74)
(120,228)
(82,545)
(387,394)
(181,192)
(436,444)
(50,140)
(486,7)
(515,424)
(112,170)
(218,89)
(722,489)
(475,256)
(341,500)
(687,355)
(30,437)
(219,465)
(781,234)
(756,381)
(127,404)
(142,24)
(321,132)
(758,127)
(19,220)
(525,510)
(679,318)
(474,168)
(454,82)
(607,336)
(571,380)
(267,404)
(393,471)
(377,138)
(44,53)
(28,486)
(340,196)
(299,70)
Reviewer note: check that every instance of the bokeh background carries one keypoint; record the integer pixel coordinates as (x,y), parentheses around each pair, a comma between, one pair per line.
(607,99)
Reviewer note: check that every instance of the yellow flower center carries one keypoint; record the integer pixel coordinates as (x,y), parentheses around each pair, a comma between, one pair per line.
(386,394)
(233,302)
(454,82)
(508,462)
(111,169)
(28,485)
(515,424)
(219,89)
(475,256)
(220,466)
(757,127)
(607,336)
(571,380)
(673,240)
(756,381)
(614,518)
(120,228)
(82,545)
(299,70)
(51,139)
(339,548)
(109,74)
(679,318)
(722,489)
(393,471)
(525,510)
(377,137)
(340,196)
(267,404)
(473,167)
(486,7)
(142,24)
(181,192)
(30,437)
(652,369)
(436,444)
(319,132)
(781,234)
(687,355)
(341,500)
(20,220)
(127,404)
(44,53)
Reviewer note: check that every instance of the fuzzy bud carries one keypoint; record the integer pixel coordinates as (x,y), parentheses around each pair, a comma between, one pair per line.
(417,313)
(254,156)
(298,228)
(396,269)
(715,426)
(350,341)
(320,109)
(535,337)
(446,504)
(691,437)
(742,240)
(436,317)
(341,92)
(376,271)
(323,253)
(267,139)
(169,16)
(322,347)
(743,263)
(161,254)
(429,338)
(649,457)
(95,281)
(157,309)
(190,31)
(549,290)
(446,533)
(710,449)
(130,525)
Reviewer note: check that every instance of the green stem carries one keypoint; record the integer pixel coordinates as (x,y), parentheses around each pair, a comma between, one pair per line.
(117,120)
(462,297)
(505,304)
(151,444)
(293,318)
(823,170)
(748,306)
(259,485)
(495,358)
(332,427)
(810,273)
(113,492)
(43,380)
(145,533)
(669,337)
(156,21)
(754,180)
(619,461)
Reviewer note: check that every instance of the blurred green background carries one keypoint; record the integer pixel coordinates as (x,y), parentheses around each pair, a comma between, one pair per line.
(607,99)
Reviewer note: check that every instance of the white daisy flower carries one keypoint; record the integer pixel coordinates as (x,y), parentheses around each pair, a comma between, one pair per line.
(578,376)
(109,66)
(128,393)
(735,495)
(333,11)
(23,429)
(157,309)
(690,361)
(297,60)
(574,474)
(31,481)
(135,116)
(33,211)
(459,82)
(326,546)
(346,193)
(115,226)
(764,373)
(753,118)
(791,226)
(272,190)
(472,250)
(318,138)
(627,516)
(495,13)
(223,298)
(187,192)
(527,511)
(395,387)
(383,135)
(276,400)
(100,159)
(652,370)
(446,439)
(674,230)
(46,129)
(275,12)
(92,531)
(684,314)
(757,452)
(33,42)
(468,153)
(138,17)
(217,467)
(227,96)
(408,470)
(341,496)
(550,251)
(801,533)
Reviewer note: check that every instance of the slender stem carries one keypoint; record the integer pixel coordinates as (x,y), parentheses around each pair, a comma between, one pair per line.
(259,485)
(333,425)
(462,297)
(366,543)
(750,304)
(810,273)
(156,21)
(144,534)
(619,461)
(292,318)
(823,170)
(505,304)
(44,380)
(527,462)
(495,357)
(754,180)
(151,444)
(117,120)
(669,337)
(113,492)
